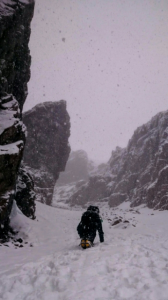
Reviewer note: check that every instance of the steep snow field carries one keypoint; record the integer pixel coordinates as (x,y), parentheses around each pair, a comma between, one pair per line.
(131,264)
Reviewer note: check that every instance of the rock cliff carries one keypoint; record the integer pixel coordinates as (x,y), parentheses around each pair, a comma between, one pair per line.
(47,148)
(15,18)
(138,173)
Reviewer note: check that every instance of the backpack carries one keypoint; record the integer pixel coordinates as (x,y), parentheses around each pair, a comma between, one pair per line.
(89,219)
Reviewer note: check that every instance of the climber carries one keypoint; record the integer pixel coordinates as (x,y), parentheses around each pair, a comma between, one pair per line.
(89,224)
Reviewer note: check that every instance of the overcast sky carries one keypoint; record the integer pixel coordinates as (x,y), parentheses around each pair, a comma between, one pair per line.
(108,59)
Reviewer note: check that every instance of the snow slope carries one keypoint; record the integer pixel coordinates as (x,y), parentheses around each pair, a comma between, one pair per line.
(131,264)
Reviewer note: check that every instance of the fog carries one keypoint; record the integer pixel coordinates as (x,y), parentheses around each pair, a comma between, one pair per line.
(108,59)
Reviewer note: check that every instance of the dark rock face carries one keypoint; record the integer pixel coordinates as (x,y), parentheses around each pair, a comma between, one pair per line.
(77,168)
(47,149)
(138,173)
(15,18)
(25,195)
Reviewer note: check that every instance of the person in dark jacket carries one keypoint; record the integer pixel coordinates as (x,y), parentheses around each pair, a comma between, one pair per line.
(89,224)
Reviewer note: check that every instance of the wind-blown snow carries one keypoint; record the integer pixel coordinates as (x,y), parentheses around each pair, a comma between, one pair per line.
(131,264)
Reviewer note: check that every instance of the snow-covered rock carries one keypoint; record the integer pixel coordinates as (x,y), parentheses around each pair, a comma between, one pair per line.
(138,173)
(15,18)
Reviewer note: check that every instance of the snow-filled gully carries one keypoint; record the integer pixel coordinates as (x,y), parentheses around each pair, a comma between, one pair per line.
(131,264)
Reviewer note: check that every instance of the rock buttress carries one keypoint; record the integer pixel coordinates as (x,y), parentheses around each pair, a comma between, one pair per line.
(47,148)
(15,18)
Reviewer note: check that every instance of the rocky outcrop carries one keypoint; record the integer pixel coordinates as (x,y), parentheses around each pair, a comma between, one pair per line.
(47,148)
(15,18)
(138,173)
(25,195)
(77,168)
